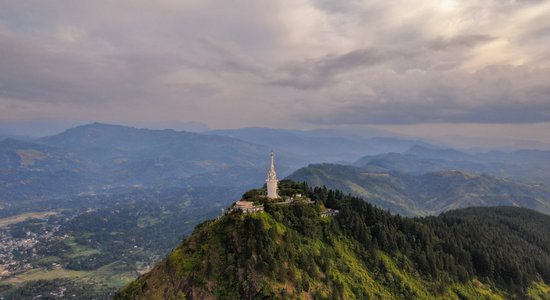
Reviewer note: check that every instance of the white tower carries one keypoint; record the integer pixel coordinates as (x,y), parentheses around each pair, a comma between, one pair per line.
(272,180)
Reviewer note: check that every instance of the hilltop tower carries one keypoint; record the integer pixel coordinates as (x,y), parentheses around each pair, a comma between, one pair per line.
(272,180)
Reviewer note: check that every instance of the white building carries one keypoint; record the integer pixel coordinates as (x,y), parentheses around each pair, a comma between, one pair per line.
(272,180)
(248,207)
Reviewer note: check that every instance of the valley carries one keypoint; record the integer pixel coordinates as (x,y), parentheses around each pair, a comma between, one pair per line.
(87,211)
(99,246)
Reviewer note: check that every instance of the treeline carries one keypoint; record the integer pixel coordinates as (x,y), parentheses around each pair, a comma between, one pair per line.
(506,246)
(364,252)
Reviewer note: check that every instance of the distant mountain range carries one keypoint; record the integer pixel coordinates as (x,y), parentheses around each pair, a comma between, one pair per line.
(149,157)
(98,157)
(15,137)
(429,193)
(525,165)
(304,147)
(101,156)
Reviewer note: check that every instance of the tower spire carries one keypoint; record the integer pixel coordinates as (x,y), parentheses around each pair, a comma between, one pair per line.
(271,180)
(272,174)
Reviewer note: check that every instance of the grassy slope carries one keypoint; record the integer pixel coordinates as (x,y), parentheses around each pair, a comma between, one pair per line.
(193,270)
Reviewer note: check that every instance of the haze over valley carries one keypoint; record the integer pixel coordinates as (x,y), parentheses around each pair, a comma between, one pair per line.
(92,207)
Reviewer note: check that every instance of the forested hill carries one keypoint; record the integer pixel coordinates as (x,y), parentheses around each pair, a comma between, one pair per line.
(290,252)
(429,193)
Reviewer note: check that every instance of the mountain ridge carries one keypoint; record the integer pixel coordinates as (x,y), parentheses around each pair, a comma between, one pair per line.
(103,156)
(524,165)
(319,145)
(363,252)
(429,193)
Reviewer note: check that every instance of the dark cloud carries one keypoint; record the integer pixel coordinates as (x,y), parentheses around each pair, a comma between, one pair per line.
(313,74)
(231,59)
(52,72)
(35,72)
(499,94)
(318,73)
(353,62)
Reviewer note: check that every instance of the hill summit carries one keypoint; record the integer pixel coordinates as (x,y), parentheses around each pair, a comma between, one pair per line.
(363,252)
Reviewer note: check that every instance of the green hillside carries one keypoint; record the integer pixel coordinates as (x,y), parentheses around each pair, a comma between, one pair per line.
(430,193)
(291,252)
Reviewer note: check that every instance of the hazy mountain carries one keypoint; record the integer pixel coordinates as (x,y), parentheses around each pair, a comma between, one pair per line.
(290,252)
(487,143)
(304,147)
(103,142)
(35,128)
(429,193)
(31,171)
(525,165)
(518,156)
(156,157)
(14,137)
(438,153)
(175,125)
(101,156)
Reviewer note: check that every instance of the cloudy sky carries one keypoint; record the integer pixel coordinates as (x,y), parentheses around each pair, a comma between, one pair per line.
(426,68)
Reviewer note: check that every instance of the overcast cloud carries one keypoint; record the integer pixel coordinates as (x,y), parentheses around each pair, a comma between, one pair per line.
(276,63)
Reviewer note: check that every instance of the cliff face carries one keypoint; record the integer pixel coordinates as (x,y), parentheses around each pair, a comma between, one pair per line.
(362,253)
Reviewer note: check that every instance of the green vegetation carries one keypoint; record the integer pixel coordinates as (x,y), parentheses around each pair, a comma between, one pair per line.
(425,194)
(539,291)
(59,288)
(290,252)
(103,248)
(94,284)
(78,250)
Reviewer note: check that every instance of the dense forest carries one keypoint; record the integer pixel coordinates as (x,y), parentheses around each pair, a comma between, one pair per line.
(364,252)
